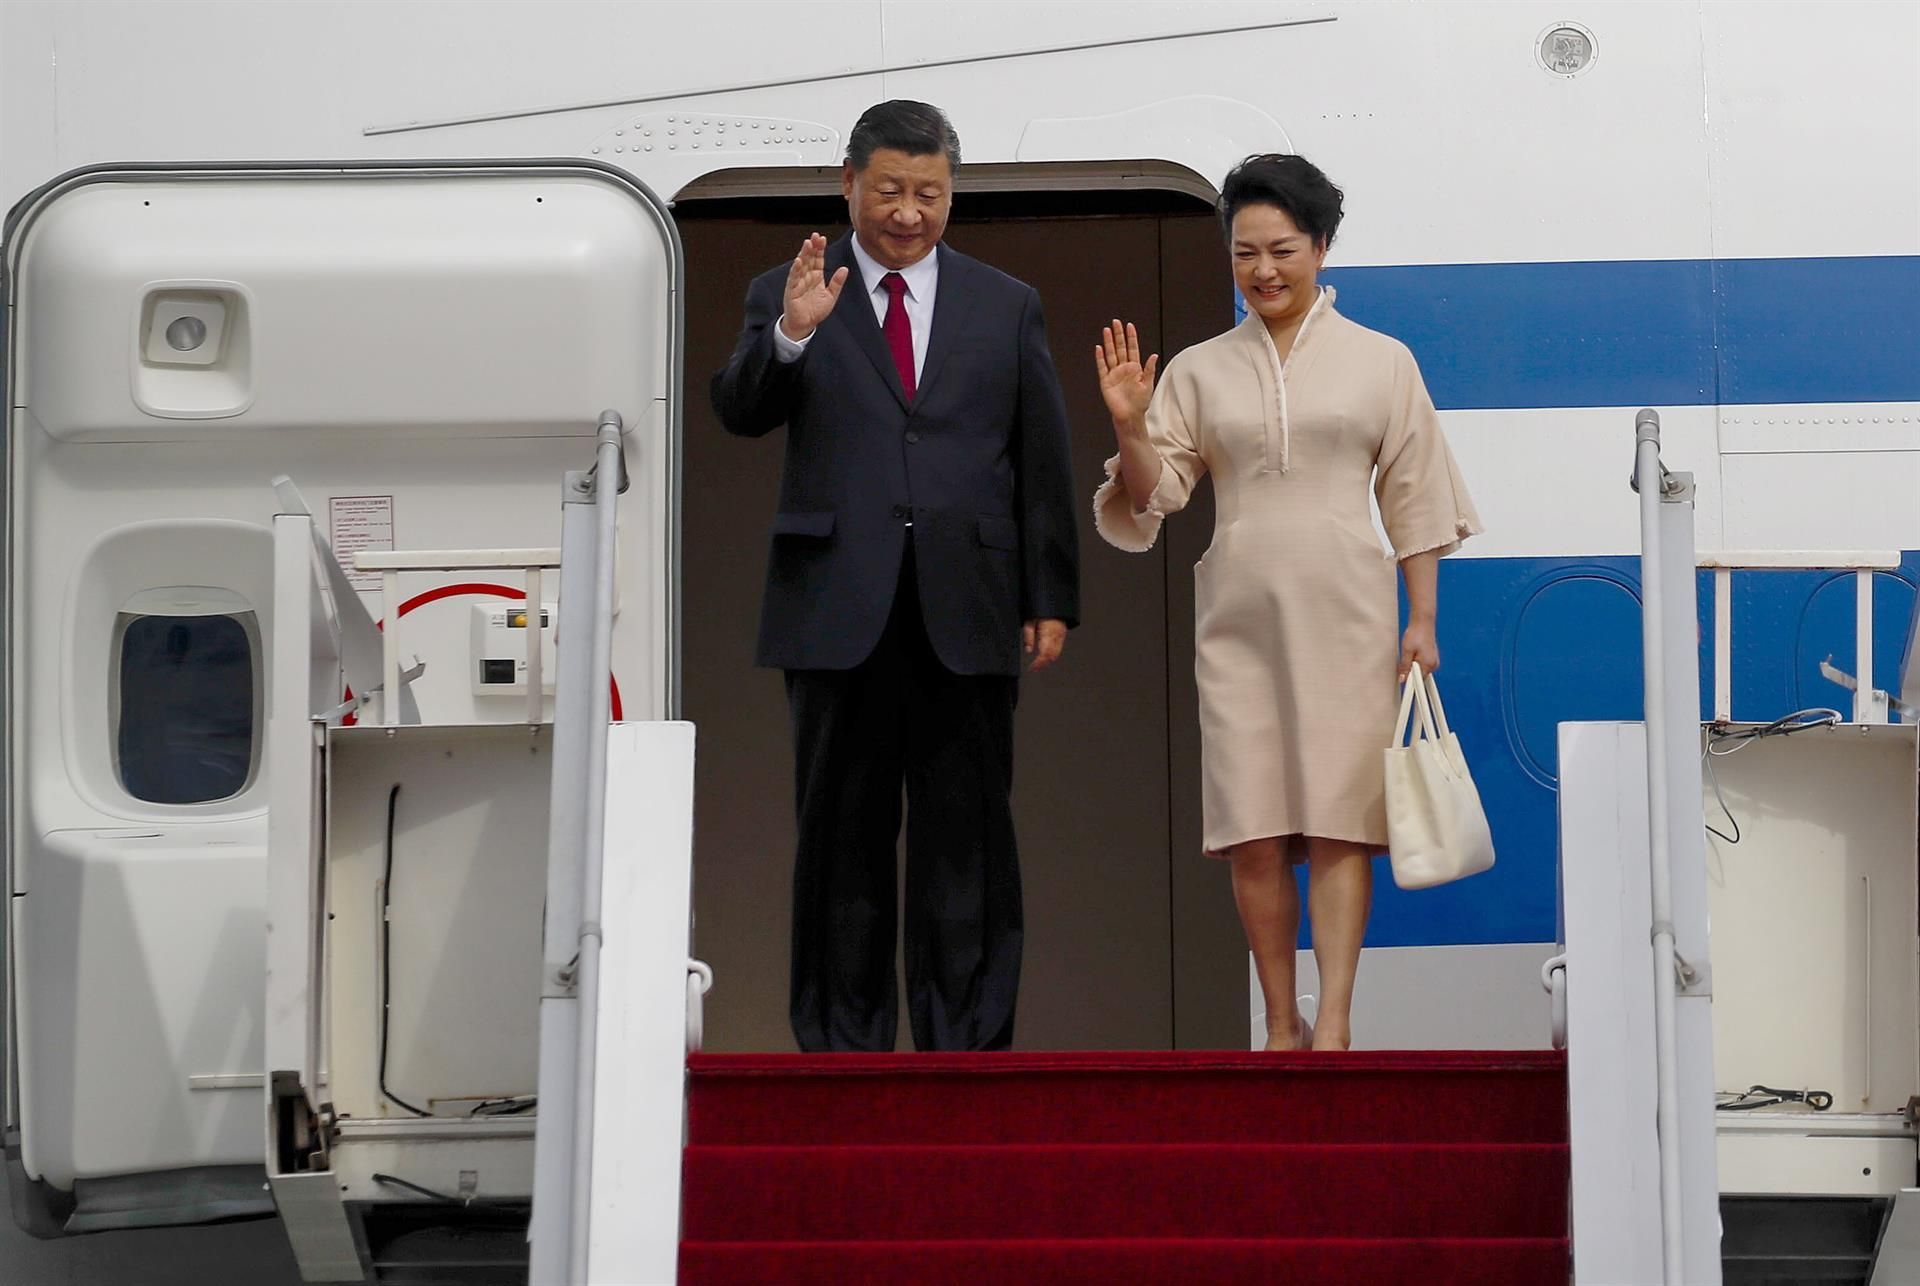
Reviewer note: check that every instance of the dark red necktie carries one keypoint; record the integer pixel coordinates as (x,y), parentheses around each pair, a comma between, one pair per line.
(898,330)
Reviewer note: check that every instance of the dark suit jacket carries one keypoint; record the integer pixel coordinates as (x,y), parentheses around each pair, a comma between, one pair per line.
(979,461)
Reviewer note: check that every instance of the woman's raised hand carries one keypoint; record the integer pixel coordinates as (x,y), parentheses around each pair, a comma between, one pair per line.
(1125,382)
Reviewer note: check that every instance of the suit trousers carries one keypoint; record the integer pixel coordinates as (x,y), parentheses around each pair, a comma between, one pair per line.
(901,718)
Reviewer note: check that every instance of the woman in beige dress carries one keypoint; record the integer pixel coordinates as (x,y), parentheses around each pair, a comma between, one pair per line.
(1297,413)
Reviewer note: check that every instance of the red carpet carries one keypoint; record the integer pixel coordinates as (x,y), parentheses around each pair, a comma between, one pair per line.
(1374,1168)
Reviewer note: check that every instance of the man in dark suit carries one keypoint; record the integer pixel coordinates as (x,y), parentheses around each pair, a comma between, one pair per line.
(925,535)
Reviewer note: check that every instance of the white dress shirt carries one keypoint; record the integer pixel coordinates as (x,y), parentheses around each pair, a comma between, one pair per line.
(923,280)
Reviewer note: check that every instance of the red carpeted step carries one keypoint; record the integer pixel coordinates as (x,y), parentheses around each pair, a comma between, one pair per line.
(1121,1262)
(1428,1168)
(1107,1190)
(1399,1097)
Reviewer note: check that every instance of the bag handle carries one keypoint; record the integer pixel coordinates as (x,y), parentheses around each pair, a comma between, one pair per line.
(1439,711)
(1413,693)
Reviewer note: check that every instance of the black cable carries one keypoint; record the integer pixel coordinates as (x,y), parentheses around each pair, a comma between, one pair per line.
(505,1106)
(1714,780)
(1818,1100)
(411,1186)
(386,966)
(1785,726)
(430,1194)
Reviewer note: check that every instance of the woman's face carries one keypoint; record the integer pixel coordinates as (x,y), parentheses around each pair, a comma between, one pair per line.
(1275,265)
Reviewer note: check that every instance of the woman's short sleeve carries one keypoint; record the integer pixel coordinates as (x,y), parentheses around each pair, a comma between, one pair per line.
(1118,518)
(1424,503)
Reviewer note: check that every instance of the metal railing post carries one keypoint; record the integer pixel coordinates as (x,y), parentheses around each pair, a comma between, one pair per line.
(1651,480)
(570,983)
(608,481)
(560,1016)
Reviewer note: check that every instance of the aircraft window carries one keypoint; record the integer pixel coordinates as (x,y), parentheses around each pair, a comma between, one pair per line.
(186,708)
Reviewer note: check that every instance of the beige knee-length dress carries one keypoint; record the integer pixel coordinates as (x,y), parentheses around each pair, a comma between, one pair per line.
(1296,602)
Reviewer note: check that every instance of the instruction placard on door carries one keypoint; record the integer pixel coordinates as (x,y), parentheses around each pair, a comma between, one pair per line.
(360,522)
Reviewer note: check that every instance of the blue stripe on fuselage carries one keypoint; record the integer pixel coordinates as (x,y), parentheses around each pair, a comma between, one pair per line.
(1682,332)
(1530,643)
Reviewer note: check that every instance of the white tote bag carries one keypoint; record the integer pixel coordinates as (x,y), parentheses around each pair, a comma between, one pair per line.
(1436,830)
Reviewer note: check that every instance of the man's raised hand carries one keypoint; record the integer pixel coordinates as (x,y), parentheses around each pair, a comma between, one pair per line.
(810,296)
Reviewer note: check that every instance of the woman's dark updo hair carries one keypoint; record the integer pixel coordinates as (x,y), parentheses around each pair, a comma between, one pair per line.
(1293,183)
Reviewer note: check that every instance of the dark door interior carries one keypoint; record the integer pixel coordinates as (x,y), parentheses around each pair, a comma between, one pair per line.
(1131,937)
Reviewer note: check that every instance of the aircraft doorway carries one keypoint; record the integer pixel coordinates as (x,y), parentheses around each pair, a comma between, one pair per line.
(1131,938)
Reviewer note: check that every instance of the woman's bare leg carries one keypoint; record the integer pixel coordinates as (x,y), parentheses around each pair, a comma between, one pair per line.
(1339,897)
(1269,903)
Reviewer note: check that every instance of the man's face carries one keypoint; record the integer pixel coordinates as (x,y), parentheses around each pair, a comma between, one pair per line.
(899,204)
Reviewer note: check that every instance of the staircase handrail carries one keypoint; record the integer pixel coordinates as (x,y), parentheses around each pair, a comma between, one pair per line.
(390,563)
(1870,704)
(1688,1182)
